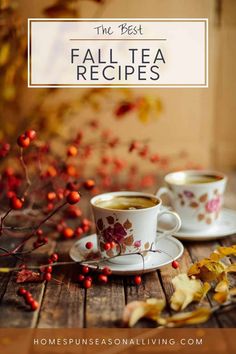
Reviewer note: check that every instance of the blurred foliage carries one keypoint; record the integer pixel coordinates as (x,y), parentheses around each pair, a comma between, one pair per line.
(21,107)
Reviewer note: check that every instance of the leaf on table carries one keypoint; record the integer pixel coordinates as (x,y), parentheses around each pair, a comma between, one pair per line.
(207,269)
(231,268)
(26,275)
(222,252)
(200,315)
(186,291)
(136,310)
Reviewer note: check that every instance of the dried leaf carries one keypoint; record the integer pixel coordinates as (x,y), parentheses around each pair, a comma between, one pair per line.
(227,251)
(186,291)
(26,275)
(200,315)
(203,198)
(221,297)
(127,224)
(136,310)
(194,205)
(207,269)
(231,268)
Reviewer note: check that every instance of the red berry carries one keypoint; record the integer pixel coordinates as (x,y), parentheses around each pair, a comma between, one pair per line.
(107,246)
(31,134)
(21,292)
(48,269)
(79,231)
(68,232)
(54,257)
(87,284)
(175,264)
(85,269)
(89,184)
(16,203)
(47,276)
(72,151)
(23,141)
(89,245)
(137,280)
(80,278)
(113,244)
(34,305)
(106,271)
(39,232)
(51,196)
(28,297)
(86,222)
(73,197)
(102,278)
(89,278)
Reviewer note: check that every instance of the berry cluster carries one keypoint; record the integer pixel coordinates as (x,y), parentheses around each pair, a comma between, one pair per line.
(28,297)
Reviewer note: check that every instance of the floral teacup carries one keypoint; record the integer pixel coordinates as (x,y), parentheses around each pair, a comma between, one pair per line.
(123,234)
(197,197)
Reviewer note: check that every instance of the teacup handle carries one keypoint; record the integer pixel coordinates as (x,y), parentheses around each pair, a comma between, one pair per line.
(163,190)
(173,230)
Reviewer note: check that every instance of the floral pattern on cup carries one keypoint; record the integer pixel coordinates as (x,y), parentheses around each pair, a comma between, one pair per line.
(207,207)
(110,229)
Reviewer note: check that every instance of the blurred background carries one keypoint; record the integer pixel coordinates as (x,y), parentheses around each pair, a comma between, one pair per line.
(176,128)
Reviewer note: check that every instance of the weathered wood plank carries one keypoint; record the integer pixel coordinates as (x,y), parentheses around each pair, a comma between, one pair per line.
(63,301)
(105,304)
(6,262)
(14,313)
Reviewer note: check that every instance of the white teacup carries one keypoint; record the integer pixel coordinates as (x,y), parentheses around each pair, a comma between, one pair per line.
(197,197)
(128,222)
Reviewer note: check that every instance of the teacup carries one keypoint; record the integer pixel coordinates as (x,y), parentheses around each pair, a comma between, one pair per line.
(126,224)
(197,197)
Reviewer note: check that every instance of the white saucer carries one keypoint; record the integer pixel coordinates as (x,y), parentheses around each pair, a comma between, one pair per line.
(156,260)
(225,226)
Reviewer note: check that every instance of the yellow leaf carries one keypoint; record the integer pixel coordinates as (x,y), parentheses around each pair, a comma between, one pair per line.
(221,297)
(194,317)
(231,268)
(186,291)
(207,269)
(136,310)
(4,53)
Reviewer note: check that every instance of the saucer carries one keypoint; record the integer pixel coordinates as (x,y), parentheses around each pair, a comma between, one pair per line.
(225,226)
(155,261)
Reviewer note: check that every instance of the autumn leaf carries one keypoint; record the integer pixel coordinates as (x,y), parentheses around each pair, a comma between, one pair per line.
(127,224)
(207,269)
(186,291)
(26,275)
(200,315)
(128,241)
(203,198)
(136,310)
(194,205)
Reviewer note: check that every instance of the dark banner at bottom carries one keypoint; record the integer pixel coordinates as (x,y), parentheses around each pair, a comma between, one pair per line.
(115,341)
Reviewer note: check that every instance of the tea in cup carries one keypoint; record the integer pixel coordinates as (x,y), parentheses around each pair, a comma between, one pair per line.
(126,223)
(197,196)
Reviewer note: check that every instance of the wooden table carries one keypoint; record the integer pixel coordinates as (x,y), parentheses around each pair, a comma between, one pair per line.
(64,304)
